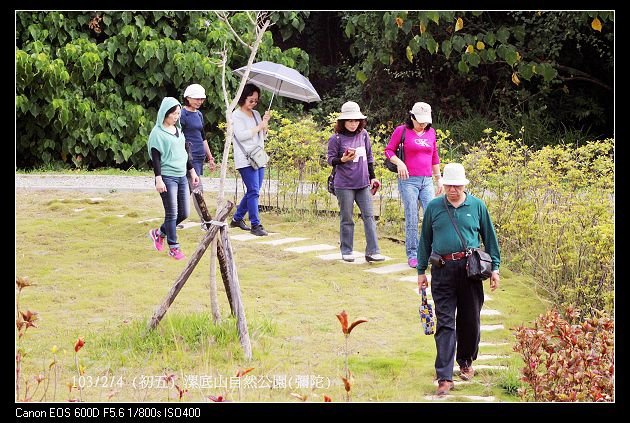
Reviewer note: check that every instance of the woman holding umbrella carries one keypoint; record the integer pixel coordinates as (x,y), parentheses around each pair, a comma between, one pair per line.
(249,130)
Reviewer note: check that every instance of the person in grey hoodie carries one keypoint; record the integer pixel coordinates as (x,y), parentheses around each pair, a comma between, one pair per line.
(168,151)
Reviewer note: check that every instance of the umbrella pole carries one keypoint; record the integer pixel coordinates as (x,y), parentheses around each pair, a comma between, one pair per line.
(272,95)
(278,86)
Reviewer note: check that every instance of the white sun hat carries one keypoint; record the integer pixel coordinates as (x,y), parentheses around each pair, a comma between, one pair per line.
(350,110)
(195,91)
(421,112)
(454,174)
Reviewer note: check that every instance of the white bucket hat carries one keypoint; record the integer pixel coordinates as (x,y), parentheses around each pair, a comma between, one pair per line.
(421,112)
(454,174)
(195,91)
(351,110)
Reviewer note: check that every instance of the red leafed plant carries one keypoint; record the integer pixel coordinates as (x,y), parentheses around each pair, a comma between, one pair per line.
(568,358)
(23,321)
(77,346)
(218,398)
(239,374)
(343,319)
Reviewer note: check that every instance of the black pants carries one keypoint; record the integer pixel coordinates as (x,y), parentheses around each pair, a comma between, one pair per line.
(453,293)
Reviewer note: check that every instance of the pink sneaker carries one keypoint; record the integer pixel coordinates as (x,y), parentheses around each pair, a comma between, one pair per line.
(158,241)
(176,253)
(412,262)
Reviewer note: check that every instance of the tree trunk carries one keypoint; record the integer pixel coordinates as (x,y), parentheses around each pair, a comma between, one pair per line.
(207,217)
(224,272)
(239,309)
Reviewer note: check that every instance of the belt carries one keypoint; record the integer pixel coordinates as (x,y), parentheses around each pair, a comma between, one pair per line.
(455,256)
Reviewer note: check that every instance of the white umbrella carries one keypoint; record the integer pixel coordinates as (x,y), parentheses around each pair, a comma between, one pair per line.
(280,80)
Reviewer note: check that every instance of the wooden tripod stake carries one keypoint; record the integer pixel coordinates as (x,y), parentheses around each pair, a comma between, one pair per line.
(226,265)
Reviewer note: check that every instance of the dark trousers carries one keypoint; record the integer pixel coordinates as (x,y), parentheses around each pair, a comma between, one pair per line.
(455,294)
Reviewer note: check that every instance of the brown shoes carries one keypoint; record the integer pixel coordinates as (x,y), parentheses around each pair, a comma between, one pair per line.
(444,386)
(466,373)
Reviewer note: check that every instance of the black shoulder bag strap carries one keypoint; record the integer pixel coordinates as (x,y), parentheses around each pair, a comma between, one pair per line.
(238,142)
(461,238)
(334,167)
(401,147)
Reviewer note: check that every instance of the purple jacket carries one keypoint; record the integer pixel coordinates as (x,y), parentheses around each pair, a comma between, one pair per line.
(354,174)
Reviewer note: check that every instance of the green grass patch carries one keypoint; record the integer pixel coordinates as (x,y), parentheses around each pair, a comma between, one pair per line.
(96,275)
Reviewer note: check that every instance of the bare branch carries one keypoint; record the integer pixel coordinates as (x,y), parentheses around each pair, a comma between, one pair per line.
(250,16)
(584,78)
(578,75)
(223,16)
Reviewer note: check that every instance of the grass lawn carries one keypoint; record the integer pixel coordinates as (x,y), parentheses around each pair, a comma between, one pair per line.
(97,276)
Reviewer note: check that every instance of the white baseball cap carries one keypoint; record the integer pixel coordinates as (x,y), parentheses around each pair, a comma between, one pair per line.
(421,112)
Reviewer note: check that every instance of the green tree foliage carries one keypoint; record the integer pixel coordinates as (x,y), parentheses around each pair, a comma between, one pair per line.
(88,84)
(517,67)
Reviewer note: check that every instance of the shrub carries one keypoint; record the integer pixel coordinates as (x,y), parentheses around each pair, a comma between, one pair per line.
(553,209)
(568,358)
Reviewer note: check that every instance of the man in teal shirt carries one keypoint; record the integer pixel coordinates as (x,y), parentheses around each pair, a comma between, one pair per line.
(451,288)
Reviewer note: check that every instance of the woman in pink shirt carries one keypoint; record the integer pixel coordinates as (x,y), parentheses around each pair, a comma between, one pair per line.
(414,174)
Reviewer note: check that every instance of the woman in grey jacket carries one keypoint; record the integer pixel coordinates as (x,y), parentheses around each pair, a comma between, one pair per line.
(249,130)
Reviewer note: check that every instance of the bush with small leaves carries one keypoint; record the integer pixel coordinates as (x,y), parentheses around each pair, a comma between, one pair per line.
(568,358)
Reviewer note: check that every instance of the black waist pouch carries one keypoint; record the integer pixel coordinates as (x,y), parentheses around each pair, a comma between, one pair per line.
(436,260)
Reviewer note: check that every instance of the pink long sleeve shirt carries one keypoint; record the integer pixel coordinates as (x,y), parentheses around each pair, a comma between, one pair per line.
(421,151)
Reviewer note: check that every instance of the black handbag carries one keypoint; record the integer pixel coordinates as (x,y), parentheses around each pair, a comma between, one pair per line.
(400,153)
(478,262)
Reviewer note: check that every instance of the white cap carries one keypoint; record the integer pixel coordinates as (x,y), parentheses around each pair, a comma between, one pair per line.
(454,174)
(195,91)
(421,112)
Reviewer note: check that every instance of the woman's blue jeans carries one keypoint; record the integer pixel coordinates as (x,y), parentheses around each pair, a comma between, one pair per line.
(176,206)
(363,198)
(253,179)
(415,190)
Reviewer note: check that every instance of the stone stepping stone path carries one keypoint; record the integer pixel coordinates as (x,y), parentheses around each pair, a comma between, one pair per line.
(488,328)
(490,312)
(493,344)
(310,248)
(398,267)
(282,241)
(481,357)
(187,225)
(248,237)
(337,256)
(413,278)
(451,397)
(478,367)
(359,258)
